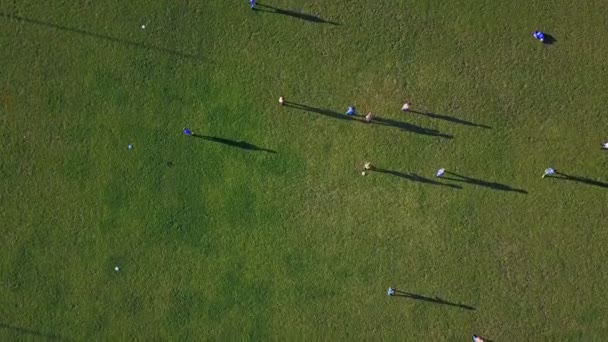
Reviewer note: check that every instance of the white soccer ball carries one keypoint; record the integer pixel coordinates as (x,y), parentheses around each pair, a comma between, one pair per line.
(143,27)
(116,268)
(363,173)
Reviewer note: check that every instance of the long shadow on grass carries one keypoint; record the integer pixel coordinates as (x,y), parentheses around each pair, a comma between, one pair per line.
(322,111)
(450,119)
(493,185)
(579,179)
(304,16)
(99,36)
(415,178)
(376,120)
(240,144)
(435,300)
(31,332)
(410,127)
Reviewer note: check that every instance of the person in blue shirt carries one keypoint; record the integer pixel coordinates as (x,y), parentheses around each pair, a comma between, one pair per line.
(187,131)
(539,35)
(252,4)
(391,291)
(549,172)
(351,111)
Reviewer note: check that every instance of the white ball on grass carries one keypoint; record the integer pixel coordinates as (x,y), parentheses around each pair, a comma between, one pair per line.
(116,268)
(363,173)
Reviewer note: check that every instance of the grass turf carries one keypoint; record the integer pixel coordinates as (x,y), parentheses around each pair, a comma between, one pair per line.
(221,242)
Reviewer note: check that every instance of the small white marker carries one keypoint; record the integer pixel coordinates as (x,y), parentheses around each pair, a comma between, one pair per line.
(143,26)
(116,268)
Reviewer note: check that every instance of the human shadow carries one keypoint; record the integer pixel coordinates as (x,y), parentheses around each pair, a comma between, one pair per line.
(580,179)
(322,111)
(303,16)
(493,185)
(240,144)
(414,177)
(436,300)
(99,36)
(410,127)
(549,39)
(376,120)
(31,332)
(450,119)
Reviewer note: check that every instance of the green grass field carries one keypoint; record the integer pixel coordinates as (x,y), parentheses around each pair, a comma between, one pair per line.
(218,241)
